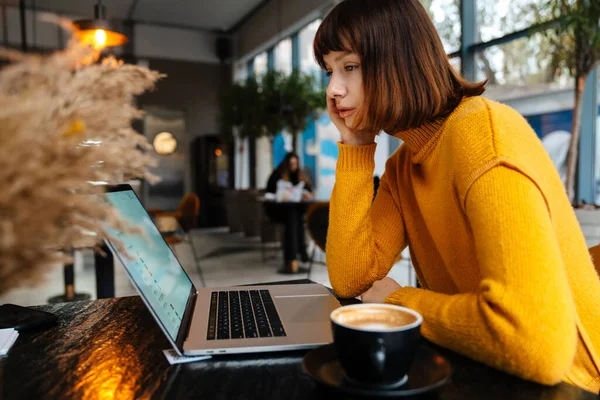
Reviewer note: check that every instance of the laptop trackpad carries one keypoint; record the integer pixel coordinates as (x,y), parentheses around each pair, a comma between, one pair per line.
(304,308)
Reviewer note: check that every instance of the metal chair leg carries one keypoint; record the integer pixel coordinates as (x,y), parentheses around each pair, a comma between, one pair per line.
(198,268)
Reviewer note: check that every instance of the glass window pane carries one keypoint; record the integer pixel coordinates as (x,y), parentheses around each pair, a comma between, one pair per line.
(240,71)
(260,64)
(598,90)
(520,68)
(306,37)
(498,18)
(597,160)
(446,18)
(283,56)
(456,62)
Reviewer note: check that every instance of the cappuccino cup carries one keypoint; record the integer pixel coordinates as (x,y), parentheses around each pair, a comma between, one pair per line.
(376,343)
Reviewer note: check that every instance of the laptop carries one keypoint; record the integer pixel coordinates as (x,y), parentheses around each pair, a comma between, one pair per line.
(212,321)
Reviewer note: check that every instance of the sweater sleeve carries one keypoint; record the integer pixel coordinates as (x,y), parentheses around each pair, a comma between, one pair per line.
(364,236)
(522,318)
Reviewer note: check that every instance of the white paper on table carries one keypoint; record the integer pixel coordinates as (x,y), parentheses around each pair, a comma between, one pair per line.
(5,334)
(288,192)
(7,339)
(175,358)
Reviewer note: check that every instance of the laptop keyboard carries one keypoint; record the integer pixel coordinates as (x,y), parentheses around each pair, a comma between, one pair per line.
(243,314)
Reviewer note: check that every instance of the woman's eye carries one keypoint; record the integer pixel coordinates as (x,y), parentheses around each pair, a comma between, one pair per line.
(351,67)
(328,74)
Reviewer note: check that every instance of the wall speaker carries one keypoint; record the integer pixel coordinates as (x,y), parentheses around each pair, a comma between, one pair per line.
(223,48)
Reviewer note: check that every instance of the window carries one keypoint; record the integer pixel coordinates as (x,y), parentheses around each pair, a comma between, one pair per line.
(306,36)
(283,56)
(521,67)
(240,71)
(597,158)
(446,18)
(498,18)
(260,64)
(456,63)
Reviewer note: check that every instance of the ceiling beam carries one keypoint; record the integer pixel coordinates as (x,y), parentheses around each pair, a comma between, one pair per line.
(132,8)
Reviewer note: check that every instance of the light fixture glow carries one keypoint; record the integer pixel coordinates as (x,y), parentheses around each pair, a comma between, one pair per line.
(100,37)
(164,143)
(99,32)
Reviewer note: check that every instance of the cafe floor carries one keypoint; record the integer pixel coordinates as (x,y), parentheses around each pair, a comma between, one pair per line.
(226,259)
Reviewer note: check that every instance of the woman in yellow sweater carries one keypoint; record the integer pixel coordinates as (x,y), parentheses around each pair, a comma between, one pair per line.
(506,275)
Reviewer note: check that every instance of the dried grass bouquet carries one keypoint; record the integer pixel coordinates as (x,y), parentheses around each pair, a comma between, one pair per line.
(65,121)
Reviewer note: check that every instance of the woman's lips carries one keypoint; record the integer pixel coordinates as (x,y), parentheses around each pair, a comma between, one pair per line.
(345,113)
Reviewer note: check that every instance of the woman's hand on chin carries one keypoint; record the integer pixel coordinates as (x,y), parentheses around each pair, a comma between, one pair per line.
(349,136)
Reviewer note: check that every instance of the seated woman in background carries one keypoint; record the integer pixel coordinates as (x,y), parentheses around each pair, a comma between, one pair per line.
(506,274)
(289,171)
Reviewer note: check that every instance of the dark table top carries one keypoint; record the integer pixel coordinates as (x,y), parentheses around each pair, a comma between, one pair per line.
(112,348)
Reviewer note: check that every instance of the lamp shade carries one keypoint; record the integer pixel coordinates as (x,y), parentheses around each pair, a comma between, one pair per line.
(99,32)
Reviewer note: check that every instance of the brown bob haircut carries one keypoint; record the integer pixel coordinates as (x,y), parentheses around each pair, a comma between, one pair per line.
(406,76)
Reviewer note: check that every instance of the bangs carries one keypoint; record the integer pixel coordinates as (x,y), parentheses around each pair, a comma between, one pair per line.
(333,35)
(406,76)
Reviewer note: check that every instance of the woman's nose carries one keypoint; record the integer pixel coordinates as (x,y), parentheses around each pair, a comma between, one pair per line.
(336,88)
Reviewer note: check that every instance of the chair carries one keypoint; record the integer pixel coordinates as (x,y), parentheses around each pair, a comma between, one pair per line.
(232,210)
(595,253)
(251,212)
(589,221)
(187,217)
(317,223)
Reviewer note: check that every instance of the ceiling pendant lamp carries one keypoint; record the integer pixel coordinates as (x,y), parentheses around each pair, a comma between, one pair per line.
(99,32)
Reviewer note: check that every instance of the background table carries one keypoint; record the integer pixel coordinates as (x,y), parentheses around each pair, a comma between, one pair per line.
(112,348)
(294,211)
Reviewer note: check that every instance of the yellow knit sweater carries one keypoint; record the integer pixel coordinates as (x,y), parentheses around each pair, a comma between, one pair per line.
(507,279)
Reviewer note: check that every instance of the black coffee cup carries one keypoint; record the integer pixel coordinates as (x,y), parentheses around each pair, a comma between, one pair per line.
(376,343)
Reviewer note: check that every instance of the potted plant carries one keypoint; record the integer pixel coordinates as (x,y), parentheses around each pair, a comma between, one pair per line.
(241,114)
(268,106)
(301,100)
(273,122)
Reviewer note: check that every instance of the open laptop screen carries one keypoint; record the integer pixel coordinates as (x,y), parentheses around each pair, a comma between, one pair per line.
(153,267)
